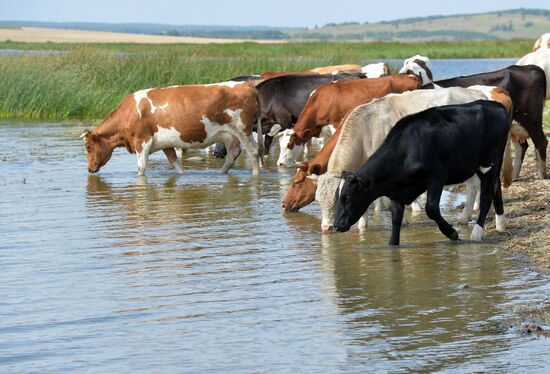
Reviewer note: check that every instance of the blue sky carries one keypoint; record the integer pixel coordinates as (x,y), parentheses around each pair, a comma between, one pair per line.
(246,12)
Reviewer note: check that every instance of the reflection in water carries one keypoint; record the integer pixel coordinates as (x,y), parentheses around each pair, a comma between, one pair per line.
(204,272)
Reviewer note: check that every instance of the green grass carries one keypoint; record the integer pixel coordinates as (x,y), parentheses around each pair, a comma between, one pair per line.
(89,81)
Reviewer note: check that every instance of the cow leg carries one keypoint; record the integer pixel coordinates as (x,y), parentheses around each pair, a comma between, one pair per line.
(397,209)
(487,193)
(219,150)
(363,222)
(541,164)
(173,158)
(500,218)
(143,157)
(233,147)
(518,152)
(472,187)
(435,188)
(378,205)
(541,143)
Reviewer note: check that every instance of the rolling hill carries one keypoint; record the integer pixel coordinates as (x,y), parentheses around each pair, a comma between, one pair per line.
(506,24)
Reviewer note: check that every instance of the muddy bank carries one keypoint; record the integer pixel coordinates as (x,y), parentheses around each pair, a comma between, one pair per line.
(527,206)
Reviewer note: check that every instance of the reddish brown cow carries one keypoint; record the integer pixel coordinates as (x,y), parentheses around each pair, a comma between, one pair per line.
(193,116)
(302,190)
(329,103)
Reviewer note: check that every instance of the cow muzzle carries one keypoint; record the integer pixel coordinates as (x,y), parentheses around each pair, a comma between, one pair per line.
(290,207)
(341,228)
(327,229)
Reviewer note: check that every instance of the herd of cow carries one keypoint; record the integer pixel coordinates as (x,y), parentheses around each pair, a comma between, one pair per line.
(394,136)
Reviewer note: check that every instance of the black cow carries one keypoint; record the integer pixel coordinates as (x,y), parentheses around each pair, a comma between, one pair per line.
(527,88)
(424,152)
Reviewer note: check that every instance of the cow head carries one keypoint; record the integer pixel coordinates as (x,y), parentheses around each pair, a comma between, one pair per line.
(98,151)
(419,66)
(291,148)
(302,189)
(352,200)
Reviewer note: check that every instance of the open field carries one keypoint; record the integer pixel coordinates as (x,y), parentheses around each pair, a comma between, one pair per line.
(43,35)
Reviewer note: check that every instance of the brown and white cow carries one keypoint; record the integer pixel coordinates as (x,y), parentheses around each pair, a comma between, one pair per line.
(192,116)
(329,103)
(543,42)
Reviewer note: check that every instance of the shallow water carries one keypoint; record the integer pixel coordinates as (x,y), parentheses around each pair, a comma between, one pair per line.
(204,272)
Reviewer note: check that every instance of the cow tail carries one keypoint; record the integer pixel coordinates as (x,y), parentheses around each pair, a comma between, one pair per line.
(507,163)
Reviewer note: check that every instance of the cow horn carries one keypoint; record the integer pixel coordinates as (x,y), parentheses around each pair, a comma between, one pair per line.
(84,134)
(275,129)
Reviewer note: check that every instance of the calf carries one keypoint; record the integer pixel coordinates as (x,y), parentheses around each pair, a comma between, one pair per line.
(193,116)
(328,104)
(527,87)
(424,152)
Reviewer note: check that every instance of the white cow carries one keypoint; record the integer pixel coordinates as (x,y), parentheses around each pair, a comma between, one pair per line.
(364,130)
(543,42)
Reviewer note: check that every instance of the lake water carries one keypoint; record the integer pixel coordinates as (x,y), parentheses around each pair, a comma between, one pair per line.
(203,272)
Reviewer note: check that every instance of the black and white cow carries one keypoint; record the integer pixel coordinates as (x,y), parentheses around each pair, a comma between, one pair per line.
(424,152)
(526,85)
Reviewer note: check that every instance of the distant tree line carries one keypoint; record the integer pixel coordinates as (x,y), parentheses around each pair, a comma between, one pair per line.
(392,35)
(231,34)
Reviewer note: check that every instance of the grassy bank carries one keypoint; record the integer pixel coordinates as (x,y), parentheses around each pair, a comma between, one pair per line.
(88,81)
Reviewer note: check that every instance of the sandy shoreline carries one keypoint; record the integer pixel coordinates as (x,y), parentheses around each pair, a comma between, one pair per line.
(42,35)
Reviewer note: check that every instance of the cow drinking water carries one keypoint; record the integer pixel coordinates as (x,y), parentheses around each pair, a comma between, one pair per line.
(424,152)
(193,116)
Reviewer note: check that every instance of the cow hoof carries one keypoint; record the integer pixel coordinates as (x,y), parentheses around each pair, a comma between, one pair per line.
(500,222)
(454,236)
(477,233)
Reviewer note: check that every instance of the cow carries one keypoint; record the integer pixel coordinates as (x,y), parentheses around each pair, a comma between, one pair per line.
(543,42)
(328,105)
(540,58)
(425,152)
(526,85)
(192,116)
(282,99)
(366,127)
